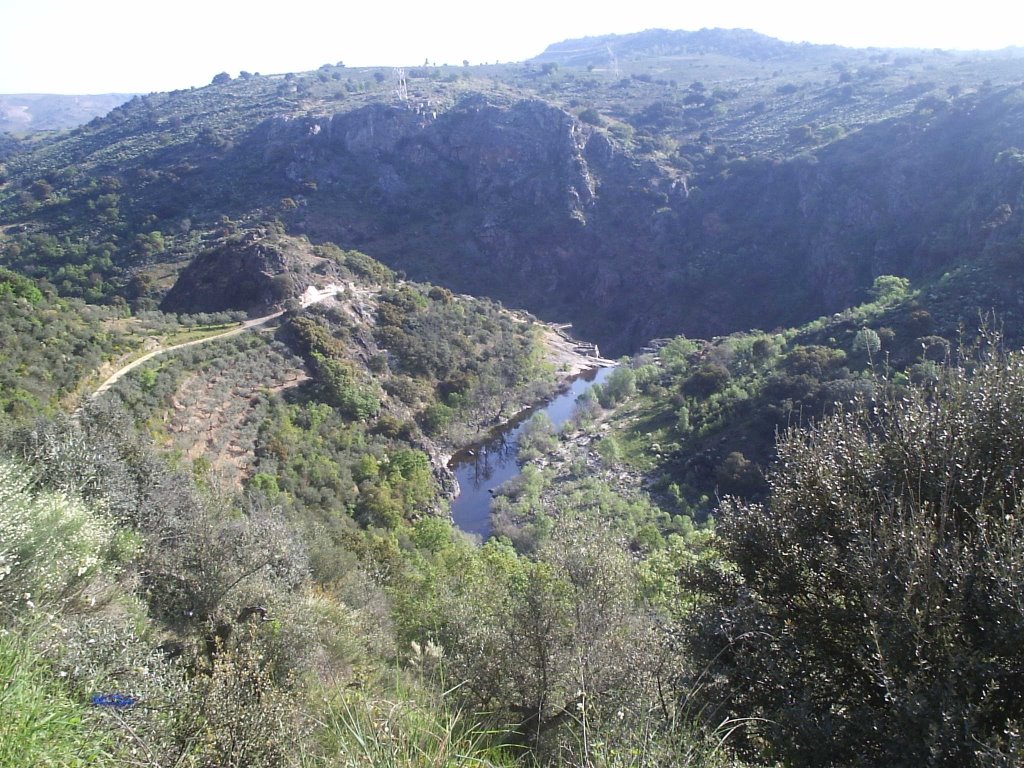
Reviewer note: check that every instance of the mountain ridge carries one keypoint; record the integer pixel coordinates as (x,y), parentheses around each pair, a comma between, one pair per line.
(566,191)
(742,43)
(31,112)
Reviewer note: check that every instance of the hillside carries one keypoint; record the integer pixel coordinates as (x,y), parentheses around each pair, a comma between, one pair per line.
(25,113)
(247,326)
(570,190)
(666,44)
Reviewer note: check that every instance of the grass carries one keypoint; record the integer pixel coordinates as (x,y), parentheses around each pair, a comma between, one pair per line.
(361,730)
(40,724)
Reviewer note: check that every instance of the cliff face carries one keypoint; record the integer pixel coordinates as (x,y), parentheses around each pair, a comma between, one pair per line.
(478,154)
(503,199)
(523,202)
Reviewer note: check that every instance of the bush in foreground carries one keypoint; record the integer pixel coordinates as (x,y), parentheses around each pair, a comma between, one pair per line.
(873,616)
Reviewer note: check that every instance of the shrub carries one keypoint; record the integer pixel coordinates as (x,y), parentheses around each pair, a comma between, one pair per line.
(873,617)
(537,438)
(238,718)
(49,543)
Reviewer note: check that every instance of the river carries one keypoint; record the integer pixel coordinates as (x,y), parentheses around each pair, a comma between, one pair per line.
(486,465)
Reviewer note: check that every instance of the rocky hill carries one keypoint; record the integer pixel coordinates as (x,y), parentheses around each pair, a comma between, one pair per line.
(250,272)
(707,182)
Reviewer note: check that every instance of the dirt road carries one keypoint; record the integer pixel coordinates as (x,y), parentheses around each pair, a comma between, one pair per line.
(116,375)
(312,295)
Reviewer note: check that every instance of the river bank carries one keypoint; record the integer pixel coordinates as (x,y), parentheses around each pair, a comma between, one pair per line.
(570,356)
(481,468)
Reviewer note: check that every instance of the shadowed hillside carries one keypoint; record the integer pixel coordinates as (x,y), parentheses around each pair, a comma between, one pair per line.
(708,182)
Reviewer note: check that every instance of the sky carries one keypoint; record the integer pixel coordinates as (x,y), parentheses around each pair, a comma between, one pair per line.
(140,46)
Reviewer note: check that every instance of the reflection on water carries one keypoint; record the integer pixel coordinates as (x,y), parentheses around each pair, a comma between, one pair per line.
(483,467)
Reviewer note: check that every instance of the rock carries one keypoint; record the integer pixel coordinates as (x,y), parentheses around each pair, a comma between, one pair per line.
(255,271)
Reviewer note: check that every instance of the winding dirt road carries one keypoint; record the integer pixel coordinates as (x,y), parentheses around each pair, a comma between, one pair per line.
(312,295)
(120,372)
(563,351)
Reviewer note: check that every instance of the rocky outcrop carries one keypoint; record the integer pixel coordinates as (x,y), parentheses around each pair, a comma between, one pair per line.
(527,153)
(253,271)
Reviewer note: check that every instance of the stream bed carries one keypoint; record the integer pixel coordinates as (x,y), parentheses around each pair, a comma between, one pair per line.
(484,466)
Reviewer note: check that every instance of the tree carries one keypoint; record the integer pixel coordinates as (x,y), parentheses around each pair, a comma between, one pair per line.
(889,289)
(872,612)
(867,341)
(619,386)
(342,386)
(739,476)
(559,644)
(706,380)
(41,190)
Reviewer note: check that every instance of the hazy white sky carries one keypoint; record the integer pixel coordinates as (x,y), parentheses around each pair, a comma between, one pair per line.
(98,46)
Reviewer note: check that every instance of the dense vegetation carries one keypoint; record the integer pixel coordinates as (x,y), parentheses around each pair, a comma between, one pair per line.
(871,598)
(203,615)
(872,617)
(722,182)
(788,537)
(50,343)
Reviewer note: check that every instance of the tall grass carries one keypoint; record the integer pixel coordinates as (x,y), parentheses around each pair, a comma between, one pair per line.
(40,725)
(360,730)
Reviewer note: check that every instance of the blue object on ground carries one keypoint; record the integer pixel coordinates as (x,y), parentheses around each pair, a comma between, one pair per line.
(115,700)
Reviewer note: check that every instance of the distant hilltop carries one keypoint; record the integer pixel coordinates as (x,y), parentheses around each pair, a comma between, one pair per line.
(602,49)
(49,112)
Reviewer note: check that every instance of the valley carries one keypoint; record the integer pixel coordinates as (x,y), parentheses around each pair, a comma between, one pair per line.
(654,401)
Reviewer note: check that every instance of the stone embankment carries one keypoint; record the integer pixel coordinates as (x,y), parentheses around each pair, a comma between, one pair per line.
(571,356)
